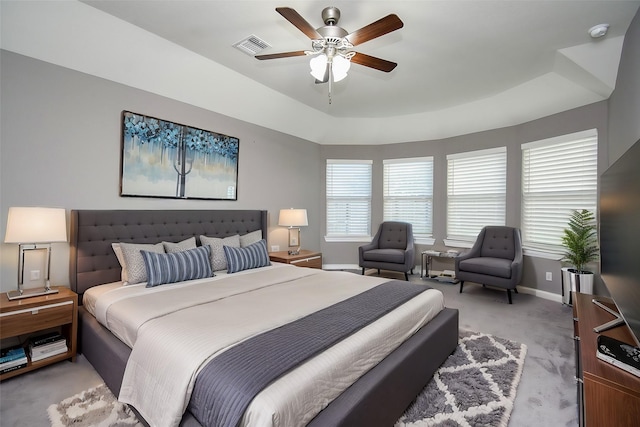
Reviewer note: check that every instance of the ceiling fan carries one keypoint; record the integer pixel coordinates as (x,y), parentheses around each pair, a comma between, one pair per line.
(331,44)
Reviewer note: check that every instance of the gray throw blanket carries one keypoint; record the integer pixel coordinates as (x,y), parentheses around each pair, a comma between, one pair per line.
(228,383)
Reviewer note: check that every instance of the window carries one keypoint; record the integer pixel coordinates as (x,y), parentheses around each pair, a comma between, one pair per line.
(559,175)
(476,188)
(348,200)
(408,193)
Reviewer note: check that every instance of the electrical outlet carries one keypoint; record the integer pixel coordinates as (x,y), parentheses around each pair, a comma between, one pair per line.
(275,248)
(549,276)
(35,274)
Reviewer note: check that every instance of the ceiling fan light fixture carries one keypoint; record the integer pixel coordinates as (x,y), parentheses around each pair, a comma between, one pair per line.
(340,67)
(318,66)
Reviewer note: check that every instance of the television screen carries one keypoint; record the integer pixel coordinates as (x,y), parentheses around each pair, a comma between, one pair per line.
(620,235)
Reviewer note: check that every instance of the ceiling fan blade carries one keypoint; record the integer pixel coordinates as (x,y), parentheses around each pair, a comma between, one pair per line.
(373,62)
(281,55)
(299,22)
(376,29)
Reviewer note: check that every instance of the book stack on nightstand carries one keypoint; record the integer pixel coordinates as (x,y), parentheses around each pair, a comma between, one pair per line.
(12,358)
(47,345)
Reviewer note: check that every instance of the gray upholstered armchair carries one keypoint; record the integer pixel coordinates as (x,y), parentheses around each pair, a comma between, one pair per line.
(495,259)
(391,249)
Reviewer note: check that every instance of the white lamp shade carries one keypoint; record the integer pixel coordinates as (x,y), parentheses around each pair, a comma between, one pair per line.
(36,225)
(293,217)
(318,66)
(340,67)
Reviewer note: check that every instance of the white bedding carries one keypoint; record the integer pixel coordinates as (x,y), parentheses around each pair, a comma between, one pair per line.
(160,373)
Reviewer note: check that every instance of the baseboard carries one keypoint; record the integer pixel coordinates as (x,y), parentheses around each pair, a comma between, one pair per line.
(341,267)
(352,267)
(525,290)
(540,294)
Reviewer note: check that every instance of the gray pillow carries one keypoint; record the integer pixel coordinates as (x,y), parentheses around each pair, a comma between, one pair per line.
(171,248)
(133,261)
(218,259)
(250,238)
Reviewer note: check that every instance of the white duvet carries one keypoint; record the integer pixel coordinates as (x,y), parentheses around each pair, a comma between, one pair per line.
(175,329)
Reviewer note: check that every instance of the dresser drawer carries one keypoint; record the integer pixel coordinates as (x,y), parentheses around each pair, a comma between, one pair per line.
(311,262)
(27,320)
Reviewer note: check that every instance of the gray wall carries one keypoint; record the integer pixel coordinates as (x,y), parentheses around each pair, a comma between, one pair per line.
(624,103)
(588,117)
(60,147)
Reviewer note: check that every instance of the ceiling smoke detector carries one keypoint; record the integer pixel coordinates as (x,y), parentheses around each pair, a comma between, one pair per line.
(598,31)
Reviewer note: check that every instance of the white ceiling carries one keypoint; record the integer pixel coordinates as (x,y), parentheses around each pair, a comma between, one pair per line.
(463,66)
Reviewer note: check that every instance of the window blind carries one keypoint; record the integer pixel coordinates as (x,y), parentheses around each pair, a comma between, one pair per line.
(476,192)
(348,198)
(408,193)
(559,175)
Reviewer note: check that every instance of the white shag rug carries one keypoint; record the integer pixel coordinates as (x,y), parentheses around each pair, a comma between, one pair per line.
(476,386)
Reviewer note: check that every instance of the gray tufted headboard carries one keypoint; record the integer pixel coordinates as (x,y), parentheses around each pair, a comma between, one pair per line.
(93,261)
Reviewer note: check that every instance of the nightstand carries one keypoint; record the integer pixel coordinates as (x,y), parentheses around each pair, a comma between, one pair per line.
(25,317)
(305,258)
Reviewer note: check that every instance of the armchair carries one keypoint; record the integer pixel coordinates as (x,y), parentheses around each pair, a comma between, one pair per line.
(391,249)
(495,259)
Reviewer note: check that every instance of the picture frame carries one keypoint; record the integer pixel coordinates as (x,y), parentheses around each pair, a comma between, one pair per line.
(160,158)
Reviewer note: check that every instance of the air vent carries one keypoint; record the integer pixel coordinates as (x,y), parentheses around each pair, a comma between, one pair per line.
(252,45)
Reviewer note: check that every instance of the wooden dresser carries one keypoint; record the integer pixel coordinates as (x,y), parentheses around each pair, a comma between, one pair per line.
(607,396)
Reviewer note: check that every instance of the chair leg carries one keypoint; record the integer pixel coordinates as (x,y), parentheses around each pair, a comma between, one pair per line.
(412,271)
(515,290)
(406,276)
(509,296)
(378,272)
(363,271)
(461,283)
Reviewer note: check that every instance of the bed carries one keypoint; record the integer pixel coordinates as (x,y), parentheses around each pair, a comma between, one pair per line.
(377,398)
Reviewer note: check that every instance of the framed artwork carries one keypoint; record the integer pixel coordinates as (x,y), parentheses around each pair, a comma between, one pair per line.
(166,159)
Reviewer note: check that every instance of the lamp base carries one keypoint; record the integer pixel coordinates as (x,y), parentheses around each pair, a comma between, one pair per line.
(28,293)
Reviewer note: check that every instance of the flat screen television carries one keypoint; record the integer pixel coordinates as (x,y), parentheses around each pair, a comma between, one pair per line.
(619,210)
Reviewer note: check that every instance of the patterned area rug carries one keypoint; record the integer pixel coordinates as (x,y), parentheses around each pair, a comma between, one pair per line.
(476,386)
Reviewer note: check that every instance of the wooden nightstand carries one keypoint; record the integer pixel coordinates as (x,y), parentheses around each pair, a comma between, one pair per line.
(305,258)
(29,316)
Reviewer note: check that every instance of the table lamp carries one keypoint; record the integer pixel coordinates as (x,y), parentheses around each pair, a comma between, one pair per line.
(34,228)
(294,219)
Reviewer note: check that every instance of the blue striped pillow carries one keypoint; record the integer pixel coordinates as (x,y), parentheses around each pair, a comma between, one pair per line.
(178,266)
(253,256)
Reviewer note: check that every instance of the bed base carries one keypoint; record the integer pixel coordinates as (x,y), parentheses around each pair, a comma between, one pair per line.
(378,398)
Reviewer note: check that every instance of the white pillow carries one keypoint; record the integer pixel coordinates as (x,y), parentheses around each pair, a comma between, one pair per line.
(170,247)
(250,238)
(118,251)
(133,261)
(218,259)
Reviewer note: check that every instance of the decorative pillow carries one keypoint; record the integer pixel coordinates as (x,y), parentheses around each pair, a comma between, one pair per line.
(177,266)
(218,260)
(250,238)
(133,262)
(252,256)
(118,252)
(170,247)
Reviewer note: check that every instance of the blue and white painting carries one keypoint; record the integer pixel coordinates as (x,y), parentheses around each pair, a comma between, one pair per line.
(166,159)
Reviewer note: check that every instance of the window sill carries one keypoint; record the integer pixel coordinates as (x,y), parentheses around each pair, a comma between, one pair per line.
(346,239)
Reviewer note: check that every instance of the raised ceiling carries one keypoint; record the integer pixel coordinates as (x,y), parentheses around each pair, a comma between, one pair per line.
(463,66)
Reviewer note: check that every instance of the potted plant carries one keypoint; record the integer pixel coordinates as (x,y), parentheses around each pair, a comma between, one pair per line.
(581,245)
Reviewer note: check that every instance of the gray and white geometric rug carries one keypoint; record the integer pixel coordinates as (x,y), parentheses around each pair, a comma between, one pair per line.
(475,386)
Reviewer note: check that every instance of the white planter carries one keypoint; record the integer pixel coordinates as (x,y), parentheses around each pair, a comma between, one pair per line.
(574,282)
